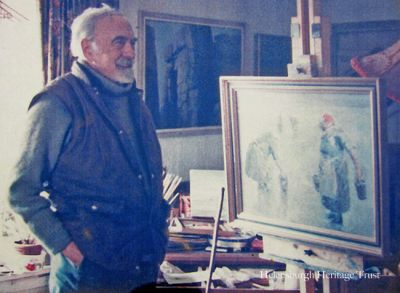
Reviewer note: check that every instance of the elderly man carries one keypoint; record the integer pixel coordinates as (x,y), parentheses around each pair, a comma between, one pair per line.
(92,149)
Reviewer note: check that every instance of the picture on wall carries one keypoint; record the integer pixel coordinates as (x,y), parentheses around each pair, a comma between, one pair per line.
(360,39)
(184,58)
(304,160)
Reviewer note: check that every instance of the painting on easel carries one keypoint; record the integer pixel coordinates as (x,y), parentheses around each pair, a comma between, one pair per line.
(304,160)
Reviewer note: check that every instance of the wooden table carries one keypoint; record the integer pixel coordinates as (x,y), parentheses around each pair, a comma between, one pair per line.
(202,258)
(196,259)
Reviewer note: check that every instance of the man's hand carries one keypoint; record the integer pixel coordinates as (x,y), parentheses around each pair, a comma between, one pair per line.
(73,253)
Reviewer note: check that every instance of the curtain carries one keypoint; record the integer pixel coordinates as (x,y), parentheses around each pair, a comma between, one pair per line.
(57,17)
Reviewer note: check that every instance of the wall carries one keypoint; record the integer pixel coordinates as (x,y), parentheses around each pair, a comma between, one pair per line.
(341,11)
(205,150)
(192,149)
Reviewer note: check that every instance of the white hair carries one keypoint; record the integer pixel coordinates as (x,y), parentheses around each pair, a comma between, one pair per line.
(84,25)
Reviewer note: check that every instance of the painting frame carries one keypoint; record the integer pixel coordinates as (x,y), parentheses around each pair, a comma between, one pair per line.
(359,39)
(152,67)
(286,95)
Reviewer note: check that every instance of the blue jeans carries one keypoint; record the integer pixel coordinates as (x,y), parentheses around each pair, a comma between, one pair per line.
(90,277)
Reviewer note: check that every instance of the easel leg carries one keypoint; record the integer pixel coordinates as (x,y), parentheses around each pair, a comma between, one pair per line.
(330,285)
(309,282)
(299,278)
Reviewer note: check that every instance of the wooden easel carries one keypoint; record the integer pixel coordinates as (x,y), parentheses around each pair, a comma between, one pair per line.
(311,34)
(309,260)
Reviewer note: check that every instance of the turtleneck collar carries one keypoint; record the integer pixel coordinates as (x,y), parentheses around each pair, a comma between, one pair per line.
(95,78)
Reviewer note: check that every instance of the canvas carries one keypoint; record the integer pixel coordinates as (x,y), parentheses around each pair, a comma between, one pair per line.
(304,158)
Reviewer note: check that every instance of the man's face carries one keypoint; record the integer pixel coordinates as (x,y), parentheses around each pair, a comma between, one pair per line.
(112,51)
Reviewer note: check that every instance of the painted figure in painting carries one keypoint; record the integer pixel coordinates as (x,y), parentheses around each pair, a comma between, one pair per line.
(263,166)
(332,180)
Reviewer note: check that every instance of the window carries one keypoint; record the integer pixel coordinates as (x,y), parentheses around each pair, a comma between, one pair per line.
(21,77)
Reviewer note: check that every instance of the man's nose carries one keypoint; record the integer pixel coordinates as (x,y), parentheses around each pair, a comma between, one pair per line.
(129,50)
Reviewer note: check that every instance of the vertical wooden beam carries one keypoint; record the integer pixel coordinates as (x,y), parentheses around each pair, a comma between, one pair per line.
(304,19)
(314,8)
(310,41)
(302,62)
(320,38)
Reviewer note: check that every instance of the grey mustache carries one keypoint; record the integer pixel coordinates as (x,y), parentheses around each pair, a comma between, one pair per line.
(125,62)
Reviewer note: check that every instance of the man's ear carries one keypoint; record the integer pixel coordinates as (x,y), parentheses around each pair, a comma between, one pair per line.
(87,50)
